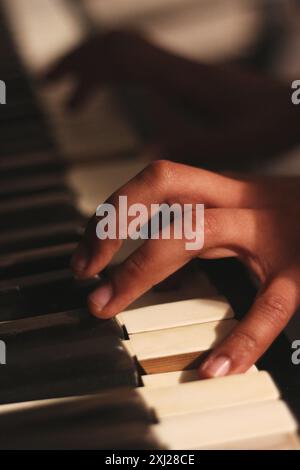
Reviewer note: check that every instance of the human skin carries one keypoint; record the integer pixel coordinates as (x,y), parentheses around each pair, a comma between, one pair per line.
(257,221)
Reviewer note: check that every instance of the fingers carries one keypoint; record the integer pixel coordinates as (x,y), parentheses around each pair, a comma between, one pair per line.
(160,182)
(146,267)
(93,254)
(157,259)
(255,333)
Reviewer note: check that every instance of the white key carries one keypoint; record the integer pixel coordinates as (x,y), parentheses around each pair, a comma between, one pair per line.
(285,441)
(204,395)
(168,379)
(227,425)
(190,284)
(174,314)
(176,348)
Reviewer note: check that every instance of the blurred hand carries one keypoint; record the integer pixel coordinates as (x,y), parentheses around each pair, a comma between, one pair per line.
(110,58)
(234,114)
(257,221)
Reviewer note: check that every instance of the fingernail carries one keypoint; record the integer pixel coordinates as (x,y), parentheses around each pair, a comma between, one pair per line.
(218,367)
(100,297)
(80,259)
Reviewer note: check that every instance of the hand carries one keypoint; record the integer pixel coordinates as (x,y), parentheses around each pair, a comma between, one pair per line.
(236,113)
(111,58)
(256,221)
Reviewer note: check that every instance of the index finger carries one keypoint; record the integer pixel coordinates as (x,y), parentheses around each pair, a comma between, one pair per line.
(160,182)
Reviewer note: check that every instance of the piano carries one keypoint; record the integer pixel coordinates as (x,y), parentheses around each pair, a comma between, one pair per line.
(71,381)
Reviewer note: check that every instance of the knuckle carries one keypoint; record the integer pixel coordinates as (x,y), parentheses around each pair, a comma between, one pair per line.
(135,266)
(246,340)
(160,170)
(274,309)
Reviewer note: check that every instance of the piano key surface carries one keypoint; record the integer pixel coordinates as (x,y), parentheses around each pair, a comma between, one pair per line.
(175,314)
(178,348)
(228,425)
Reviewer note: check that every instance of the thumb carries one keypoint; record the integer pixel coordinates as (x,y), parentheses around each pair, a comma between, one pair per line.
(268,316)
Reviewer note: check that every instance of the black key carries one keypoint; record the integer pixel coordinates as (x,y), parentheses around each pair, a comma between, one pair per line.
(78,364)
(38,185)
(39,237)
(23,137)
(36,261)
(53,327)
(119,405)
(29,165)
(34,211)
(85,436)
(28,144)
(115,407)
(52,292)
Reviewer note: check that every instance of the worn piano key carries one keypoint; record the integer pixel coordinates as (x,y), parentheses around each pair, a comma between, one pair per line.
(174,314)
(78,364)
(227,425)
(44,293)
(204,395)
(39,237)
(26,263)
(168,379)
(34,211)
(176,348)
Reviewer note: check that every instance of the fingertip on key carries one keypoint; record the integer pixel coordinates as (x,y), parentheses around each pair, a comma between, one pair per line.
(99,299)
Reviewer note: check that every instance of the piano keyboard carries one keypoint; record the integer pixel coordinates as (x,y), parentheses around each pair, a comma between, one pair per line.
(72,381)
